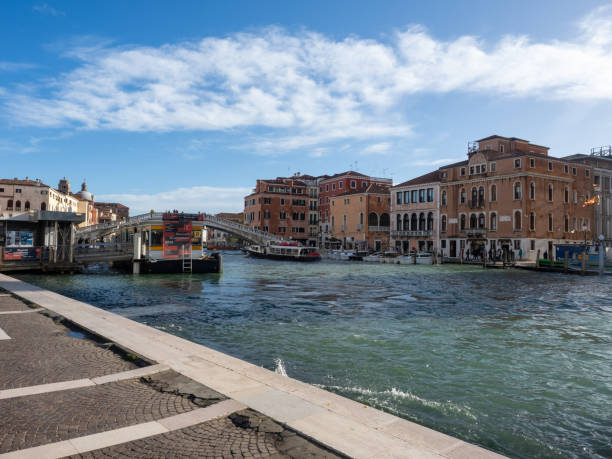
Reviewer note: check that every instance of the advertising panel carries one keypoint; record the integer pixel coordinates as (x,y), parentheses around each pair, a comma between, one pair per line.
(22,253)
(176,237)
(19,239)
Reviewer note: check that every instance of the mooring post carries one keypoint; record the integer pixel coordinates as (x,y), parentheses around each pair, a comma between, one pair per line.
(584,257)
(602,257)
(538,259)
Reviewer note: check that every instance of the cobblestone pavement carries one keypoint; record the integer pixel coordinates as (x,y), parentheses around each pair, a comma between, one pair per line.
(10,303)
(46,418)
(247,434)
(41,352)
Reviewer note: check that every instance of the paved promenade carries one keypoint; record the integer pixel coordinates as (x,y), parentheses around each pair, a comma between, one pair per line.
(79,381)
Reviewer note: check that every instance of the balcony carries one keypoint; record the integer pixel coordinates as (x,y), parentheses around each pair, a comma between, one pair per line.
(379,228)
(476,232)
(476,203)
(416,233)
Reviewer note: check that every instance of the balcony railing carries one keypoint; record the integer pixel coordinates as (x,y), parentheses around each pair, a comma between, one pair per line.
(476,232)
(379,228)
(407,233)
(476,203)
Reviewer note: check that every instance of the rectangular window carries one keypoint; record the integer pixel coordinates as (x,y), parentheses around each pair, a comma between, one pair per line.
(587,173)
(333,186)
(493,167)
(283,215)
(399,197)
(267,214)
(517,163)
(471,170)
(282,229)
(353,184)
(413,196)
(422,195)
(596,181)
(17,190)
(532,244)
(501,148)
(339,185)
(282,201)
(462,172)
(574,171)
(406,197)
(550,165)
(566,169)
(2,191)
(266,200)
(430,194)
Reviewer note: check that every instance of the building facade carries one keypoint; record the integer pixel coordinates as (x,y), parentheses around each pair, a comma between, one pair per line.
(111,211)
(335,185)
(360,219)
(21,196)
(415,214)
(511,196)
(600,160)
(279,206)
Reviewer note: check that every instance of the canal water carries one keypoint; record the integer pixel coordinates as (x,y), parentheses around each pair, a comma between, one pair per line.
(516,361)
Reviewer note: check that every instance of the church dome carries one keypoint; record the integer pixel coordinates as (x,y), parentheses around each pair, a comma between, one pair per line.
(84,194)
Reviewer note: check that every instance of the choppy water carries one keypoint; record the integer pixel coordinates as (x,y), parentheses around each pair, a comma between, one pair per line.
(516,361)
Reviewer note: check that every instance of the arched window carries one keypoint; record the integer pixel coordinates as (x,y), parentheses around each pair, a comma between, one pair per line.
(532,221)
(493,222)
(26,206)
(532,191)
(18,205)
(398,222)
(566,194)
(481,198)
(567,223)
(474,195)
(550,222)
(462,196)
(517,220)
(444,198)
(361,218)
(385,220)
(550,192)
(430,221)
(372,219)
(462,222)
(406,222)
(493,192)
(422,221)
(43,206)
(443,224)
(332,222)
(473,221)
(481,221)
(517,190)
(575,197)
(9,204)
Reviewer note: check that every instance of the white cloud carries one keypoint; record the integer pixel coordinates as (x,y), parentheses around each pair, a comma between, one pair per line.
(435,162)
(6,66)
(190,199)
(305,89)
(381,148)
(46,9)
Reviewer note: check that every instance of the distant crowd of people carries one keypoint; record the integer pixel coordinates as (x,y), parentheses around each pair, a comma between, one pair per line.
(493,255)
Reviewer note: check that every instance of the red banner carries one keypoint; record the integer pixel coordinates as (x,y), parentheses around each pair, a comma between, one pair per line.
(176,237)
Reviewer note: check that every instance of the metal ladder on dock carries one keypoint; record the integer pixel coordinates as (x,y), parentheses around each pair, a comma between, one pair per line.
(187,263)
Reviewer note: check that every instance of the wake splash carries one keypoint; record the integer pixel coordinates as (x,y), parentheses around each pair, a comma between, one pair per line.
(280,367)
(397,394)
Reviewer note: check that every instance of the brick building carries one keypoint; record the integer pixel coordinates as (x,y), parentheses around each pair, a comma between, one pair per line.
(111,211)
(338,184)
(511,195)
(600,160)
(415,214)
(359,218)
(279,206)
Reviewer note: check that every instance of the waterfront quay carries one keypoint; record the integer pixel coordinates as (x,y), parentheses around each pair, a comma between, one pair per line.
(84,382)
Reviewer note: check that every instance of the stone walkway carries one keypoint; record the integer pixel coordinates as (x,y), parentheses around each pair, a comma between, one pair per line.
(63,391)
(191,401)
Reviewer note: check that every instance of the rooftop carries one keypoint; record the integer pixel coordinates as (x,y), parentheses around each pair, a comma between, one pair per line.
(430,177)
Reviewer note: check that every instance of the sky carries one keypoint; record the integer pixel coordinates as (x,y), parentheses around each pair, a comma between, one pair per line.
(184,105)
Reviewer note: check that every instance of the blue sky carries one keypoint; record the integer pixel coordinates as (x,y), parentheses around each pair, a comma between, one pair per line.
(185,104)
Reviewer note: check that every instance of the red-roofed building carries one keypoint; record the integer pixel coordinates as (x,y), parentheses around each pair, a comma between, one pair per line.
(338,184)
